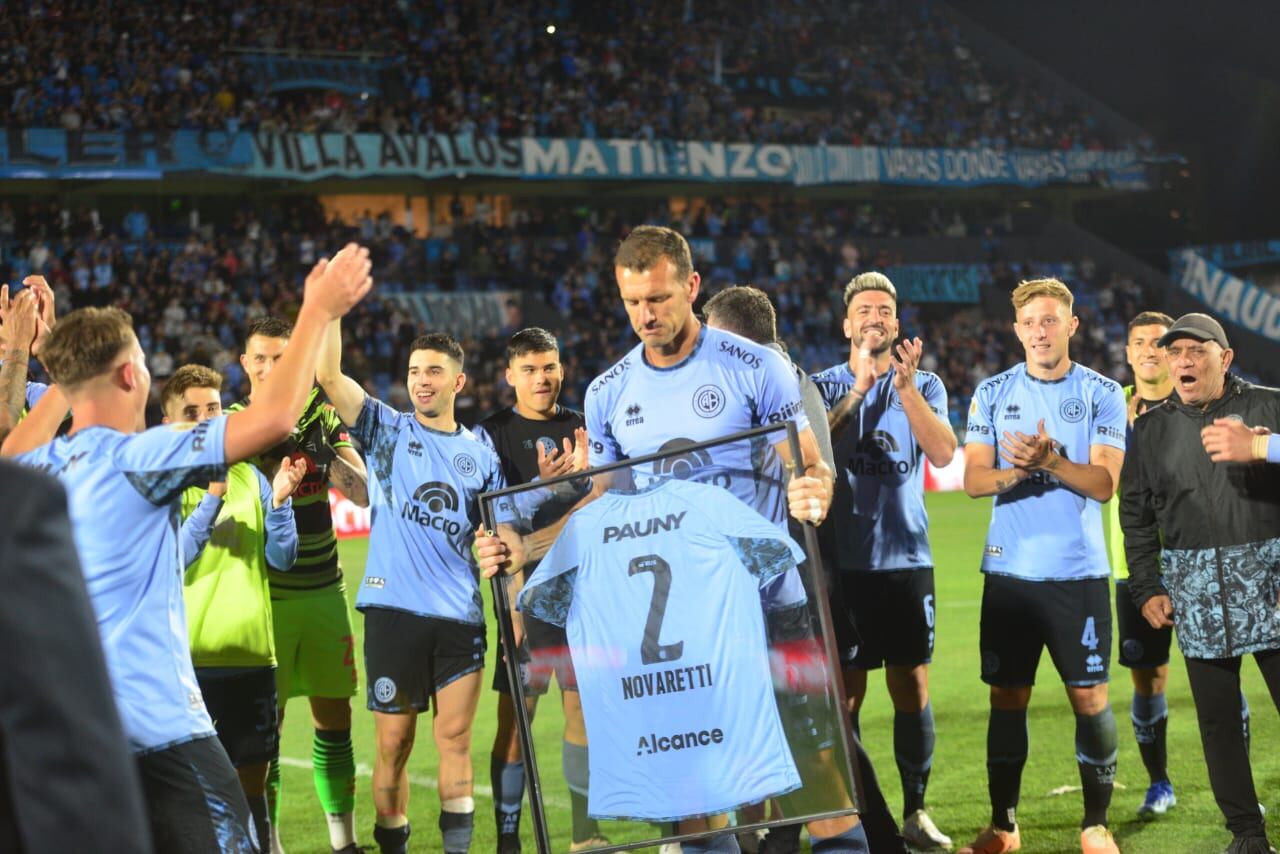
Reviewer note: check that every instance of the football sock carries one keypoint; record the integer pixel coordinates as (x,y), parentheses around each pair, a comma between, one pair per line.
(342,829)
(726,843)
(1244,721)
(1150,716)
(457,817)
(577,775)
(391,832)
(507,779)
(852,841)
(261,822)
(1006,756)
(273,791)
(913,740)
(1096,757)
(856,724)
(333,770)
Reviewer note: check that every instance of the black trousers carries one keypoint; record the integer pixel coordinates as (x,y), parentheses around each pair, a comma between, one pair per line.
(1215,686)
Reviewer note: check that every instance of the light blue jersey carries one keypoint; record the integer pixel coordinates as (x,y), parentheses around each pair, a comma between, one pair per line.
(423,489)
(124,493)
(1041,530)
(727,384)
(35,391)
(677,692)
(883,466)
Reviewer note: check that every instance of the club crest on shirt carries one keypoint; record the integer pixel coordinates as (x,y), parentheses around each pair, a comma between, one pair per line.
(1072,410)
(708,401)
(465,464)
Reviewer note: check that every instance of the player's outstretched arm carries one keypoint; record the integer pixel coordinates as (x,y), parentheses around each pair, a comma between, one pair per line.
(539,542)
(332,289)
(1229,441)
(40,425)
(982,478)
(344,393)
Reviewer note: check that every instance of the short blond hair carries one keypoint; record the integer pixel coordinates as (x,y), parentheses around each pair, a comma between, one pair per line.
(189,376)
(869,282)
(85,344)
(1032,288)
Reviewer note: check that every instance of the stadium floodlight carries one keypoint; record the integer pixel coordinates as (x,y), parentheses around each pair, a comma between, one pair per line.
(694,624)
(551,29)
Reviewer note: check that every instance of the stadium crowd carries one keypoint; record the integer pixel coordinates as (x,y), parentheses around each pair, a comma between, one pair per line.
(192,292)
(887,73)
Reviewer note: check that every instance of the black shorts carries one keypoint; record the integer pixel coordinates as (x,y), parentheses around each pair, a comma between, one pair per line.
(544,653)
(1140,645)
(242,703)
(409,657)
(1020,618)
(892,614)
(194,800)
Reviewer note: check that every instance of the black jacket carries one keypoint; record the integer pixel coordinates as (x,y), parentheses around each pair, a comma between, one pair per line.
(1217,524)
(67,781)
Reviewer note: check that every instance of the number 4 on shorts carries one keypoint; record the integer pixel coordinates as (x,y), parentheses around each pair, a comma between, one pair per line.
(1089,639)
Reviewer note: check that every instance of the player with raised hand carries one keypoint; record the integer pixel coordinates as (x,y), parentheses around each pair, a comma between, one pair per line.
(424,639)
(314,640)
(1046,438)
(887,417)
(537,438)
(124,486)
(231,533)
(25,322)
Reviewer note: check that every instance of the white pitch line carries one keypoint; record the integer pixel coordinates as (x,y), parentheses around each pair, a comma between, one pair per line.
(364,770)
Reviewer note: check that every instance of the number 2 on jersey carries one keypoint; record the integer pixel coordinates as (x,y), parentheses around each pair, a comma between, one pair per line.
(652,652)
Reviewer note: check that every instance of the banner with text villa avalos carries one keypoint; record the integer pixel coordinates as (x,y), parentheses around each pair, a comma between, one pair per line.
(47,153)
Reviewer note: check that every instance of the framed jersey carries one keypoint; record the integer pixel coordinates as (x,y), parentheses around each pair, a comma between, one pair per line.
(703,696)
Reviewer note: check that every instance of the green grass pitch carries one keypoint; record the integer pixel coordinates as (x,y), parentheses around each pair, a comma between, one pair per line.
(958,787)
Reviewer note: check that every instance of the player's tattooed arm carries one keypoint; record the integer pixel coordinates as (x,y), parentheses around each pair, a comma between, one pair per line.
(349,476)
(17,330)
(40,425)
(1097,479)
(839,416)
(982,478)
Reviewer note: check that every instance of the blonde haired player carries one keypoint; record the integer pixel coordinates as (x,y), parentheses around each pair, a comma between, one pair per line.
(1046,440)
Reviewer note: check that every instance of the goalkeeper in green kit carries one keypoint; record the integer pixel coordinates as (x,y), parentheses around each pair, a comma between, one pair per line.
(315,643)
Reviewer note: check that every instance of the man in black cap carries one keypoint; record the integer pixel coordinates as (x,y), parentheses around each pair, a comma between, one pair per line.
(1219,527)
